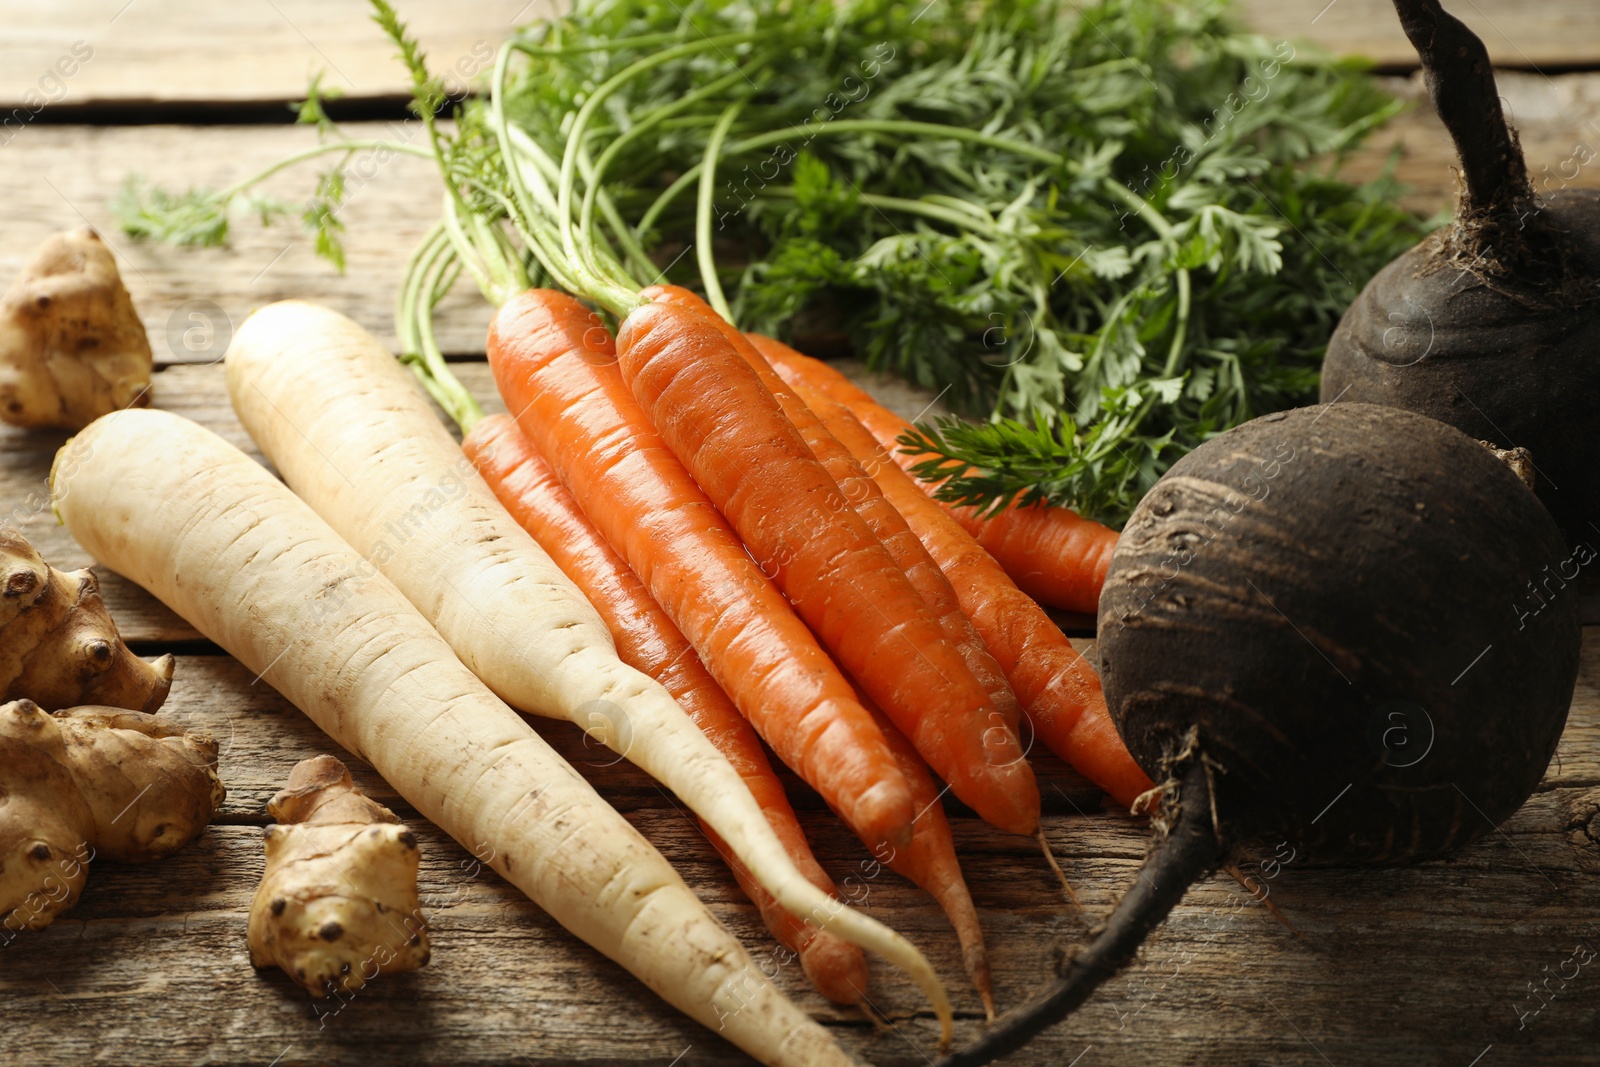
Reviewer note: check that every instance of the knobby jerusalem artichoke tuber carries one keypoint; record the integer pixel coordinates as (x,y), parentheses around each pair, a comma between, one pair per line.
(72,347)
(91,782)
(338,903)
(58,645)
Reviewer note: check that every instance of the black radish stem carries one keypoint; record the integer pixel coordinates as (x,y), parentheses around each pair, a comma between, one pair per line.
(1317,628)
(1184,851)
(1455,67)
(1493,324)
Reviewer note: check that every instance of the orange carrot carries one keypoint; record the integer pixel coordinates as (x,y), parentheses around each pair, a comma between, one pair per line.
(648,641)
(712,410)
(881,518)
(1059,691)
(930,862)
(1055,555)
(556,368)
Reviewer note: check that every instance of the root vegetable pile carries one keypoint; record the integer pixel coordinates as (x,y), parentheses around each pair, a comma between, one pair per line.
(337,904)
(228,547)
(86,783)
(72,347)
(688,540)
(1279,602)
(557,370)
(334,410)
(647,640)
(58,645)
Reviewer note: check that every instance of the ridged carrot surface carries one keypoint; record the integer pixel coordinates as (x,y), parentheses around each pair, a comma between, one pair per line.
(881,518)
(711,409)
(1059,690)
(648,641)
(1053,554)
(556,369)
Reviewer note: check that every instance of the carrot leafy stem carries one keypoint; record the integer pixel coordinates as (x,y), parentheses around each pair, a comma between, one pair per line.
(1106,232)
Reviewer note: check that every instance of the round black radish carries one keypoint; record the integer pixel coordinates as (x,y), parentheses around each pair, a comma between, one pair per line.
(1317,628)
(1492,324)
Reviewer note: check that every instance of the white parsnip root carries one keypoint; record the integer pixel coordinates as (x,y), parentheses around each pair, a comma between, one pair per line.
(224,544)
(337,905)
(356,438)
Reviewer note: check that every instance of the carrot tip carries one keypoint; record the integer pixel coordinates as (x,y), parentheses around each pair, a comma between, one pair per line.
(836,968)
(1050,858)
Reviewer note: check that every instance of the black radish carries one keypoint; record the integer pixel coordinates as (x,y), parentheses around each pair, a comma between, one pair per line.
(1492,324)
(1316,629)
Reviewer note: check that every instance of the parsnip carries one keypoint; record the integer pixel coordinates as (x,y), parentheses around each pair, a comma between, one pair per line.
(356,438)
(228,547)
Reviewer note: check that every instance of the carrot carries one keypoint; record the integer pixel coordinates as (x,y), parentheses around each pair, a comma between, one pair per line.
(1059,690)
(556,369)
(1053,554)
(885,523)
(930,861)
(648,641)
(353,435)
(229,548)
(711,409)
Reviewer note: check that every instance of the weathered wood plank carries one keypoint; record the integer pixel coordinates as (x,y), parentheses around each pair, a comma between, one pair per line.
(1562,33)
(1558,121)
(1426,965)
(184,50)
(120,51)
(191,299)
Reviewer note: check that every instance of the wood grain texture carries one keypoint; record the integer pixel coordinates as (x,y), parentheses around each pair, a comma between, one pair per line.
(1558,33)
(162,51)
(1418,966)
(166,50)
(192,298)
(1557,119)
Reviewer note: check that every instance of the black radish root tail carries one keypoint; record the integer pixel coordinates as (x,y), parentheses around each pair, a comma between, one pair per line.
(1185,849)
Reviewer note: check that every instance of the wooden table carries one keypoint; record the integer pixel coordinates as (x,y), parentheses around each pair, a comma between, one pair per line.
(1432,965)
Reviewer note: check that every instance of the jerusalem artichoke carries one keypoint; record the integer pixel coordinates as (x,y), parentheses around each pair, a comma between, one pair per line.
(89,782)
(58,645)
(72,347)
(338,903)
